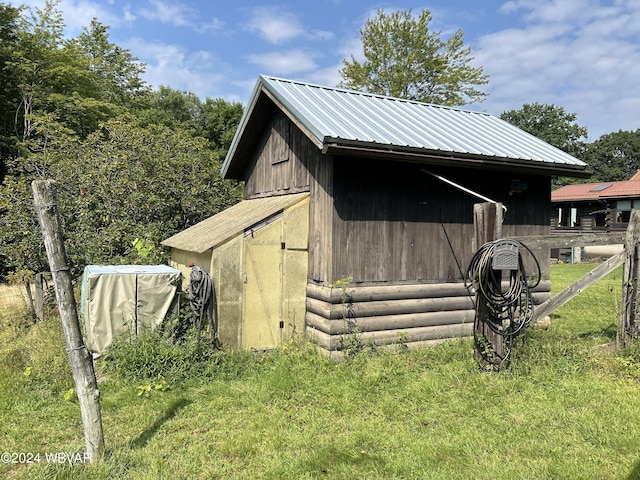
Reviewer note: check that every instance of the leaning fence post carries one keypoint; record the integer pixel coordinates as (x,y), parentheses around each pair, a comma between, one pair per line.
(628,326)
(44,196)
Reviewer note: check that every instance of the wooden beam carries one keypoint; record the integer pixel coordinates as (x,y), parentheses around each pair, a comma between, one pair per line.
(571,240)
(579,286)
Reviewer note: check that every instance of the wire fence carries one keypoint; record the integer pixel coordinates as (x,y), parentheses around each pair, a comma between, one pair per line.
(13,297)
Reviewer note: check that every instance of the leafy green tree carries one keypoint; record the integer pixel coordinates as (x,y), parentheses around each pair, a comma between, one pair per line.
(169,107)
(116,73)
(551,124)
(9,20)
(218,121)
(75,113)
(214,119)
(120,184)
(614,156)
(74,84)
(404,58)
(555,126)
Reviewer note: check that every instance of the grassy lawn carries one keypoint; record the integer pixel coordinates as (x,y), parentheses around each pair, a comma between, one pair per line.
(568,407)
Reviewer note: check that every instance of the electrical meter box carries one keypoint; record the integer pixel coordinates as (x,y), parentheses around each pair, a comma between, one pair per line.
(505,255)
(119,300)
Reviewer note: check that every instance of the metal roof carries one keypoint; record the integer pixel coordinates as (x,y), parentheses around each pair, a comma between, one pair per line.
(595,191)
(347,117)
(217,229)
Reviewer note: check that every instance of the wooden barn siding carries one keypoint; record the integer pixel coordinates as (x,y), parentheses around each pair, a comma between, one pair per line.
(321,215)
(390,219)
(280,163)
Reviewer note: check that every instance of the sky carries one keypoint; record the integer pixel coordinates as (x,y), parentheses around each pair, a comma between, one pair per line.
(582,55)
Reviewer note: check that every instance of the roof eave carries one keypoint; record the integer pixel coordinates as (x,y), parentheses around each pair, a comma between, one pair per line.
(237,138)
(233,165)
(438,157)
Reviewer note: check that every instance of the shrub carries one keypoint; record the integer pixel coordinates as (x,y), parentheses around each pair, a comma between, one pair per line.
(151,354)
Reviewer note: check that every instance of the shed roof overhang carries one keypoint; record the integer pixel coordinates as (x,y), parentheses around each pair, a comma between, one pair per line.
(439,158)
(219,228)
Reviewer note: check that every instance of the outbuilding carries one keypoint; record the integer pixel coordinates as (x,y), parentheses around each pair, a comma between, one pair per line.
(369,202)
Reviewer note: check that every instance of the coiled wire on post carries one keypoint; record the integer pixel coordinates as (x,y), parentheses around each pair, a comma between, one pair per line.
(505,310)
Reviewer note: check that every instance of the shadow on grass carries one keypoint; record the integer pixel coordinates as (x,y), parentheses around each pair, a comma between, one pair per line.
(635,473)
(331,461)
(171,412)
(610,331)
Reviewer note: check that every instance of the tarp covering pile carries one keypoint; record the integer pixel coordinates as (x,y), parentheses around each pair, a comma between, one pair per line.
(119,300)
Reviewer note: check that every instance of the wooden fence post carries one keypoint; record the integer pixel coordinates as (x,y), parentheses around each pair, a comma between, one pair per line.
(39,297)
(487,220)
(628,326)
(44,195)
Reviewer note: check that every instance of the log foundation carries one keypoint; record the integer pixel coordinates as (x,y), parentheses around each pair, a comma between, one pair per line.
(387,315)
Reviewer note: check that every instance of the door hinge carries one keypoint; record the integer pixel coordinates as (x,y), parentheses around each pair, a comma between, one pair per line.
(281,323)
(283,245)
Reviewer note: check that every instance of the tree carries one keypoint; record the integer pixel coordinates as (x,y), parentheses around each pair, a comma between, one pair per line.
(121,183)
(551,124)
(116,73)
(169,108)
(214,119)
(403,58)
(65,86)
(218,121)
(130,164)
(9,20)
(614,156)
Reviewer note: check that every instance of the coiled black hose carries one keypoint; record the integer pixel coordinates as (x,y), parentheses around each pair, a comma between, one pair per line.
(200,297)
(505,310)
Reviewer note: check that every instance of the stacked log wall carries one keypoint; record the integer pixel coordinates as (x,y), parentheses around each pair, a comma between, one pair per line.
(383,315)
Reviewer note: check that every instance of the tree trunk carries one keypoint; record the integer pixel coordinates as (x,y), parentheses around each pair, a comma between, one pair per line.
(44,195)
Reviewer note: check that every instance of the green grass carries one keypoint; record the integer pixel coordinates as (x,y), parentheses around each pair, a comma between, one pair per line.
(566,408)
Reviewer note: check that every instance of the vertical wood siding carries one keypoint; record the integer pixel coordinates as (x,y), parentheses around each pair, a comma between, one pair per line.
(321,218)
(281,160)
(387,221)
(394,223)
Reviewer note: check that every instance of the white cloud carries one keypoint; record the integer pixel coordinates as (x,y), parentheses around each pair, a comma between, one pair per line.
(198,72)
(285,62)
(275,25)
(178,15)
(329,76)
(79,13)
(171,13)
(572,53)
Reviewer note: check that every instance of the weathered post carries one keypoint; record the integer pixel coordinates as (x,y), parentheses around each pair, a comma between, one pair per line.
(487,219)
(44,195)
(628,326)
(39,297)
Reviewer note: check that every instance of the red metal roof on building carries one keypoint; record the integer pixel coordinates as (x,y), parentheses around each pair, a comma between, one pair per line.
(595,191)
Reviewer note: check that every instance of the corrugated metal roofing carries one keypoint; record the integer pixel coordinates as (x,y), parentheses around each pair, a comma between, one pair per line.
(334,115)
(216,229)
(594,191)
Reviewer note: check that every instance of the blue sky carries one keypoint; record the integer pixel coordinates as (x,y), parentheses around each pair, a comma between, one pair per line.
(583,55)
